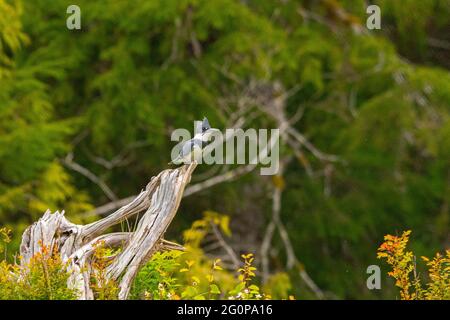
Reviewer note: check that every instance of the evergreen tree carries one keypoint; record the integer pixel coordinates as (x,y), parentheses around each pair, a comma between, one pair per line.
(107,97)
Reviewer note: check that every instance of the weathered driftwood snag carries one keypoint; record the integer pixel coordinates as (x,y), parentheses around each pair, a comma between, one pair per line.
(76,243)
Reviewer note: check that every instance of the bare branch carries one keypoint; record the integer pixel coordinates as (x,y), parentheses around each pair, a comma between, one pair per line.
(308,145)
(68,161)
(120,159)
(228,249)
(227,176)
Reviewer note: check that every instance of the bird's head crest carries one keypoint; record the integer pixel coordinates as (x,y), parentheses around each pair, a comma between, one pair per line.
(205,125)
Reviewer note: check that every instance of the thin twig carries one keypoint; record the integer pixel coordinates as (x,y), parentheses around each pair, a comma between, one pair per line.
(68,161)
(230,252)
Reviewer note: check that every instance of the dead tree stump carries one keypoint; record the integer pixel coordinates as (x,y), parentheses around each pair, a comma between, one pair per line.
(76,243)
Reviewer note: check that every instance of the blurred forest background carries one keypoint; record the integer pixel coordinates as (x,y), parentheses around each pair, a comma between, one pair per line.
(86,117)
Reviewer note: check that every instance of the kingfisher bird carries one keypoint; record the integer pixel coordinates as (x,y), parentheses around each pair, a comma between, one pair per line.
(192,150)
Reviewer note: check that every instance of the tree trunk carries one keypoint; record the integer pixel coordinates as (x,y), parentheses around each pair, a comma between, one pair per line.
(76,243)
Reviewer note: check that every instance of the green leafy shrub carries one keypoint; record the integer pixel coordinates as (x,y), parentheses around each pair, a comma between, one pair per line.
(155,280)
(169,275)
(192,275)
(43,278)
(102,287)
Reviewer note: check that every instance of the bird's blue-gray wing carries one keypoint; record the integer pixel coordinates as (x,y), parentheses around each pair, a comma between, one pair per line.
(189,146)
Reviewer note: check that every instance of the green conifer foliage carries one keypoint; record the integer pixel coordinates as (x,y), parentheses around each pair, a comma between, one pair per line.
(111,93)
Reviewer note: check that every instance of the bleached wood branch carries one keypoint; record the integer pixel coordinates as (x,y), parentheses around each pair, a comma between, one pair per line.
(77,243)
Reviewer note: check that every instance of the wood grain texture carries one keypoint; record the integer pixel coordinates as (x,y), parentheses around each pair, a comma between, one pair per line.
(76,243)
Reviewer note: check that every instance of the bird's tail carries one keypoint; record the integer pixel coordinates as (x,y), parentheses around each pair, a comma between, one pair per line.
(174,162)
